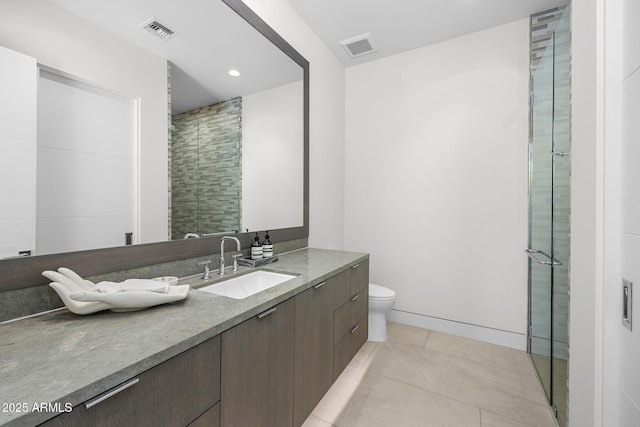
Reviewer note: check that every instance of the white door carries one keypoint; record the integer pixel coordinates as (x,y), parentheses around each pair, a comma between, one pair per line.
(18,82)
(87,174)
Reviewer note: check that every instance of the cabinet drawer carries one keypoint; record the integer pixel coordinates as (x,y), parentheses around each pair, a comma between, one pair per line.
(349,314)
(351,282)
(349,346)
(211,418)
(173,393)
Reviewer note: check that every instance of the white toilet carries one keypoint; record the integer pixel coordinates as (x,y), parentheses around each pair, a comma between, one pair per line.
(381,300)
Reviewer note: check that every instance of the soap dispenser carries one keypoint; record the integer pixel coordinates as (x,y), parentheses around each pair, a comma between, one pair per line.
(267,246)
(256,248)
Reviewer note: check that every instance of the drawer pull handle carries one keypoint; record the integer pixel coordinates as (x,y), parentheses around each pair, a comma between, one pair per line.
(355,297)
(319,285)
(266,313)
(354,329)
(105,396)
(355,266)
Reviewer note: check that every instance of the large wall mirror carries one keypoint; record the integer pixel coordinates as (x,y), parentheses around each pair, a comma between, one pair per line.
(218,104)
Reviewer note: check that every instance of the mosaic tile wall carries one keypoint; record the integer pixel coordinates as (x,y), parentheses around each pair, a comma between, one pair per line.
(169,135)
(543,25)
(205,169)
(550,131)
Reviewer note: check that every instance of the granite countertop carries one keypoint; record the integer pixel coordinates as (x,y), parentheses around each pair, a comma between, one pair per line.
(62,358)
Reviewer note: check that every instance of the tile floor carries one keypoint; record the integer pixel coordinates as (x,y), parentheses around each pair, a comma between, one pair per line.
(427,378)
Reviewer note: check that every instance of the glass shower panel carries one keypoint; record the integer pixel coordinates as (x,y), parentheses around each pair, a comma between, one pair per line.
(549,217)
(540,241)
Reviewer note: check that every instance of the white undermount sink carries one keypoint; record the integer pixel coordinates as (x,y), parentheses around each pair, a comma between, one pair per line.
(249,284)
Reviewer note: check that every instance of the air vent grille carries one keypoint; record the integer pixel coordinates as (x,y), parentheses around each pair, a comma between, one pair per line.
(359,45)
(159,29)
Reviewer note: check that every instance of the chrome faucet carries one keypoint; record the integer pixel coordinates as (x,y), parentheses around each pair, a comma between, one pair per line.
(235,261)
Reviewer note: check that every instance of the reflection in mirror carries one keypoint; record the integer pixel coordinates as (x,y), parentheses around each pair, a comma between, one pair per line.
(246,176)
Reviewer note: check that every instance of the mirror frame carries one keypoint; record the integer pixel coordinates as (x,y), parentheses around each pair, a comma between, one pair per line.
(25,272)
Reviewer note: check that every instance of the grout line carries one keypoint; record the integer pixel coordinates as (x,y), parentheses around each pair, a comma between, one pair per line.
(437,393)
(426,340)
(489,365)
(531,372)
(503,416)
(424,390)
(320,418)
(635,70)
(366,368)
(521,377)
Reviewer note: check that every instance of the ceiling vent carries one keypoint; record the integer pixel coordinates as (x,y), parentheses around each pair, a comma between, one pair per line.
(159,29)
(359,45)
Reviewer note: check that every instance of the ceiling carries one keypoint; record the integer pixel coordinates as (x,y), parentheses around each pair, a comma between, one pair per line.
(401,25)
(211,27)
(211,40)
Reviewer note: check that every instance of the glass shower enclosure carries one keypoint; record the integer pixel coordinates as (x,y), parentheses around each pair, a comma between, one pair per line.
(549,213)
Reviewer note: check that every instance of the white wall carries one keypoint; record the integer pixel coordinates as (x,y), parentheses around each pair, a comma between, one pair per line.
(630,340)
(611,159)
(272,158)
(586,269)
(61,41)
(326,122)
(436,181)
(18,83)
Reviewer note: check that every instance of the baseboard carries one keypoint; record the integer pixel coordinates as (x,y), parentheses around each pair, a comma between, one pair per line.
(481,333)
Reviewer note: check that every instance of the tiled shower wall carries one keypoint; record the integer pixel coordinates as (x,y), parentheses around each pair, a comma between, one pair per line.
(205,169)
(169,135)
(550,118)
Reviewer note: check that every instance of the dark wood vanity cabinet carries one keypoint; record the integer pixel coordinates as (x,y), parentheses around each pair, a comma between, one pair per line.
(257,370)
(278,365)
(351,315)
(270,370)
(313,360)
(174,393)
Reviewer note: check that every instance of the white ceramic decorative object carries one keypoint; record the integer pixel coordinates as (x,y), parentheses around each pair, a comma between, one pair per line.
(81,297)
(171,280)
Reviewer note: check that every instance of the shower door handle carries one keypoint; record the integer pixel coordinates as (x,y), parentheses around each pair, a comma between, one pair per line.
(533,252)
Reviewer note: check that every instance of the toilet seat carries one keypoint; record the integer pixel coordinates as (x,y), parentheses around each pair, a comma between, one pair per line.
(380,293)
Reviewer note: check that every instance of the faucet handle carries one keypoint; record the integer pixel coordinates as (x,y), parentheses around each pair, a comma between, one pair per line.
(235,261)
(206,274)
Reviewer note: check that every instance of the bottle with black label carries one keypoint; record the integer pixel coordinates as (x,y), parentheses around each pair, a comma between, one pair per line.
(267,246)
(256,248)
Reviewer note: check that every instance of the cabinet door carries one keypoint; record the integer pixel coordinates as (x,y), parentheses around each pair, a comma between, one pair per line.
(257,370)
(173,393)
(313,361)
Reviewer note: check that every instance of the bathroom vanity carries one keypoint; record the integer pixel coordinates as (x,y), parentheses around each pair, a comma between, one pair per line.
(209,360)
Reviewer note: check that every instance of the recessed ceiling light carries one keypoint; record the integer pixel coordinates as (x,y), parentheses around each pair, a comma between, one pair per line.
(234,73)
